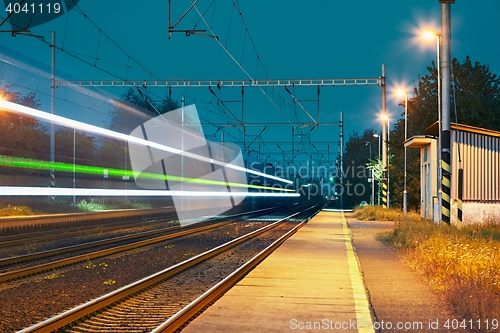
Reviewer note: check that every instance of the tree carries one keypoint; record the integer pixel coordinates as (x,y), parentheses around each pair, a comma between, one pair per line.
(85,146)
(356,175)
(133,110)
(476,96)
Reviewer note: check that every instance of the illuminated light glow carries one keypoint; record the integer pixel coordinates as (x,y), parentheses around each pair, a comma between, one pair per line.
(401,92)
(384,116)
(19,162)
(429,35)
(45,191)
(120,136)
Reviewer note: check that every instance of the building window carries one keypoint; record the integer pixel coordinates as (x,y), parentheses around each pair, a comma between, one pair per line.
(425,153)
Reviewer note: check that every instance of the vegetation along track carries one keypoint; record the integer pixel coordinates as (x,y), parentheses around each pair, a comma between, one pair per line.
(19,266)
(179,290)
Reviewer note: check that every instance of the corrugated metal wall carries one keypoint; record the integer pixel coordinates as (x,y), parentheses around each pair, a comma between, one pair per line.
(481,163)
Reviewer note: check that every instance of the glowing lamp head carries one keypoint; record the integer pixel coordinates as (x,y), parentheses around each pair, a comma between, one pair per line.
(429,35)
(401,92)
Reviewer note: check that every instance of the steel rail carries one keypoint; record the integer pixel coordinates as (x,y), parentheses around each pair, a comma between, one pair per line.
(23,222)
(101,302)
(6,276)
(14,240)
(20,239)
(74,248)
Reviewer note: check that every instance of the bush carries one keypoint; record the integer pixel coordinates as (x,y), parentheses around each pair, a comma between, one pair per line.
(91,206)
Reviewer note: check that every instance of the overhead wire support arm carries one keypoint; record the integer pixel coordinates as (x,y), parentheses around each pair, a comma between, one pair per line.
(172,27)
(300,105)
(224,105)
(222,83)
(256,137)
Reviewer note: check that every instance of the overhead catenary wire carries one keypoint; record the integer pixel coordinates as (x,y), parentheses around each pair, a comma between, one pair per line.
(129,57)
(236,61)
(281,105)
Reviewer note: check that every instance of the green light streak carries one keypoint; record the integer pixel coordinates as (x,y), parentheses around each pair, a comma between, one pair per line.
(25,163)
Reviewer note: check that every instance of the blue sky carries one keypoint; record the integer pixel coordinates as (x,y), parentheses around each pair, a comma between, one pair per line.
(294,39)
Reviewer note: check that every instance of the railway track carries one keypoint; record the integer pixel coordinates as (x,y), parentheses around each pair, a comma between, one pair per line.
(180,291)
(24,266)
(49,235)
(21,239)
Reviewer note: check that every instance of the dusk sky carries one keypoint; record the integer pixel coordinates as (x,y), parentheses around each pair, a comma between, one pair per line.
(293,39)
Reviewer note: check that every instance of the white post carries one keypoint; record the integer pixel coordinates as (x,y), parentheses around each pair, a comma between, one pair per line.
(405,193)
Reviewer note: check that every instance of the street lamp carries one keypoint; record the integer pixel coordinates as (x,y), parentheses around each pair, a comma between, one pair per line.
(373,179)
(378,194)
(431,35)
(405,193)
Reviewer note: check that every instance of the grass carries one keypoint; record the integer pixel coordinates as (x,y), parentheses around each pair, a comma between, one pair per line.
(463,265)
(95,205)
(377,213)
(65,206)
(15,210)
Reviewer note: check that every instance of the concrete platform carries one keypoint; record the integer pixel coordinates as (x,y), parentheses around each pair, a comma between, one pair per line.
(312,282)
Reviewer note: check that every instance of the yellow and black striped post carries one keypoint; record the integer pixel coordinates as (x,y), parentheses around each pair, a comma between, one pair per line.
(445,41)
(445,177)
(52,184)
(459,195)
(384,189)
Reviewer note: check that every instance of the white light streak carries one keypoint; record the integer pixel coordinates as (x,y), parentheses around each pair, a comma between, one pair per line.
(120,136)
(45,191)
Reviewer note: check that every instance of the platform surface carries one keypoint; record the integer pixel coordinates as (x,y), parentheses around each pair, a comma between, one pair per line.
(311,283)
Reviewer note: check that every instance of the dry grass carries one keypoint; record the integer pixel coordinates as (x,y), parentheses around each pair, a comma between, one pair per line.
(15,210)
(378,213)
(464,265)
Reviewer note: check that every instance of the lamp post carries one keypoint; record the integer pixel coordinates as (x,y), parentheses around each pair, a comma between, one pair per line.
(405,193)
(373,179)
(431,35)
(378,194)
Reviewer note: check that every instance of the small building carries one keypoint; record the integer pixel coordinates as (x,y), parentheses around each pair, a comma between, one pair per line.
(478,149)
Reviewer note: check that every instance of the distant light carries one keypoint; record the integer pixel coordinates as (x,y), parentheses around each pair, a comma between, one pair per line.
(375,135)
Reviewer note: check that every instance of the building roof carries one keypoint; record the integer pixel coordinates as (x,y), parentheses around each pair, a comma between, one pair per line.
(419,141)
(434,129)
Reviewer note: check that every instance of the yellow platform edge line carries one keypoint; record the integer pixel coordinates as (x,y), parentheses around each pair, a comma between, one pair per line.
(361,304)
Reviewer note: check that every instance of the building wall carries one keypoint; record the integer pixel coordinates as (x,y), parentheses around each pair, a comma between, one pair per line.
(428,180)
(476,213)
(480,156)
